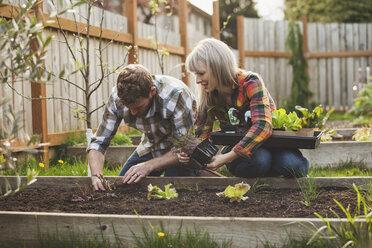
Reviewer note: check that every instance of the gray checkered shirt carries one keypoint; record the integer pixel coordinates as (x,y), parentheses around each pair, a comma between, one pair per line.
(172,112)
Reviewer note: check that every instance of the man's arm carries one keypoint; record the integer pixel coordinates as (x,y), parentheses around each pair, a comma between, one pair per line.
(96,160)
(141,170)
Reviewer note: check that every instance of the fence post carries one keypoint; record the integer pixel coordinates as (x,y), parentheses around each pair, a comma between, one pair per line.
(38,89)
(240,38)
(131,14)
(216,21)
(182,15)
(305,42)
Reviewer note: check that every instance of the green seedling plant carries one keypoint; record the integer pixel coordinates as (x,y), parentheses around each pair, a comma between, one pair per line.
(87,193)
(329,134)
(363,134)
(309,190)
(155,193)
(31,178)
(290,121)
(235,193)
(315,118)
(356,232)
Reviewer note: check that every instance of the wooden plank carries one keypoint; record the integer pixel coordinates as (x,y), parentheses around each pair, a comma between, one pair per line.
(147,43)
(322,65)
(363,46)
(281,63)
(340,54)
(272,65)
(335,68)
(182,17)
(350,65)
(343,69)
(248,42)
(313,64)
(23,228)
(213,183)
(131,14)
(216,21)
(356,60)
(240,40)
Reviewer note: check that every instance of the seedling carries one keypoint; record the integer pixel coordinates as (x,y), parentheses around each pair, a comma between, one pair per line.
(200,152)
(288,121)
(86,194)
(235,193)
(156,193)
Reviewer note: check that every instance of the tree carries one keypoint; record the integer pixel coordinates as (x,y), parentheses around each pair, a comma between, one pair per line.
(229,10)
(329,10)
(300,93)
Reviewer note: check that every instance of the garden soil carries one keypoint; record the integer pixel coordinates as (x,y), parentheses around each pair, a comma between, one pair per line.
(126,199)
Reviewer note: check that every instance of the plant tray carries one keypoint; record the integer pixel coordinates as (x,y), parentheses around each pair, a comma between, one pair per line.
(282,141)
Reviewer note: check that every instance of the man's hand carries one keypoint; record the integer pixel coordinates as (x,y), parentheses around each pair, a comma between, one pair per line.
(137,172)
(97,183)
(183,158)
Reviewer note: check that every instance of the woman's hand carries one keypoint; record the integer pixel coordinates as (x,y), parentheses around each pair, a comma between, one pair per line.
(221,159)
(183,158)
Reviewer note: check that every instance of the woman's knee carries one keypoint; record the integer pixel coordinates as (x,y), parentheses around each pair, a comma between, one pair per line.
(290,163)
(258,165)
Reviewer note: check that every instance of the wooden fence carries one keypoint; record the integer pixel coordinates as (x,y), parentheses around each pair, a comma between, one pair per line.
(334,51)
(338,56)
(59,113)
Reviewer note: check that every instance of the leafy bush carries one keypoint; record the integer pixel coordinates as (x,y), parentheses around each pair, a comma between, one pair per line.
(121,139)
(363,134)
(315,118)
(363,105)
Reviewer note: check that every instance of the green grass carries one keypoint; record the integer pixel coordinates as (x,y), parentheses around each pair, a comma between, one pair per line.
(341,116)
(62,168)
(74,167)
(344,169)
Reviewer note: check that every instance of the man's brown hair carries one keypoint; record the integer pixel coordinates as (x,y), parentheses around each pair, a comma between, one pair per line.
(134,81)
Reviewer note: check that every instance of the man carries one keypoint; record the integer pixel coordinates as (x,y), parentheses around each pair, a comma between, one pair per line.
(161,107)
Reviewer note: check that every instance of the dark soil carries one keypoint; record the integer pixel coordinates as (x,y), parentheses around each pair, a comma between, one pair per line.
(130,198)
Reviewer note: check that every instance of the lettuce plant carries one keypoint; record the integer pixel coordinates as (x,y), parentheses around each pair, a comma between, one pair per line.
(290,121)
(235,193)
(155,193)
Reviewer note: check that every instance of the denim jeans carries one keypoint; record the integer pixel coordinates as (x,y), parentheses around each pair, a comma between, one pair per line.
(179,170)
(266,162)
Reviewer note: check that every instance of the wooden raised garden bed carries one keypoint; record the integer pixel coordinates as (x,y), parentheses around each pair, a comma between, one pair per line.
(265,215)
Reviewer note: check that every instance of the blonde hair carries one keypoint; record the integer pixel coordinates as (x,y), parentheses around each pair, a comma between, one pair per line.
(220,62)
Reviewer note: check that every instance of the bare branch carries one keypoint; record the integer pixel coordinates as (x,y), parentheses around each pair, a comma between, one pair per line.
(44,98)
(94,110)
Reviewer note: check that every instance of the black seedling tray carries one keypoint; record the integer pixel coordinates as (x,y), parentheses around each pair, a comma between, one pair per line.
(202,154)
(282,141)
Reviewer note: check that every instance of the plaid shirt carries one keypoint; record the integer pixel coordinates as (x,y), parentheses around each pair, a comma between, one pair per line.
(171,112)
(249,93)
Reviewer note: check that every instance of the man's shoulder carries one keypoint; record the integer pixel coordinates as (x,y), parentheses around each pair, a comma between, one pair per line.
(167,85)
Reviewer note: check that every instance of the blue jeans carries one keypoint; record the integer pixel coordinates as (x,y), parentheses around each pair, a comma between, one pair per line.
(266,162)
(179,170)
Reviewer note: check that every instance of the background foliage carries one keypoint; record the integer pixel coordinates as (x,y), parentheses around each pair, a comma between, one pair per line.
(229,10)
(329,10)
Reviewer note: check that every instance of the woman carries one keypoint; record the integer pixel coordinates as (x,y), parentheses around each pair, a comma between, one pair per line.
(225,85)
